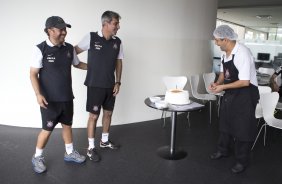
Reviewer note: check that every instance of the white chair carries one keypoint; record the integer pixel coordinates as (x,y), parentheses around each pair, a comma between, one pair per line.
(173,82)
(264,75)
(262,90)
(208,79)
(194,81)
(268,103)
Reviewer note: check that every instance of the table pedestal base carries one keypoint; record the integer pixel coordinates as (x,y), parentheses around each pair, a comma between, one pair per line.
(165,153)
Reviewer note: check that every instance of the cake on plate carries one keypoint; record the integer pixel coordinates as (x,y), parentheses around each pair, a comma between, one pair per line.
(177,96)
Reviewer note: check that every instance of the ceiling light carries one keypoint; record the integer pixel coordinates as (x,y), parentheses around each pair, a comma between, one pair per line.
(264,16)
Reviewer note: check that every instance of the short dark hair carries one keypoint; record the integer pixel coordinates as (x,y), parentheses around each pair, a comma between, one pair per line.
(108,16)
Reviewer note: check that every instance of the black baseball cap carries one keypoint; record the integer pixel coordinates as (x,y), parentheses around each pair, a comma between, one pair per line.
(57,22)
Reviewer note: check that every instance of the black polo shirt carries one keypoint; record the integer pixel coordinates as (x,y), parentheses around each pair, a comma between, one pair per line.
(55,74)
(101,63)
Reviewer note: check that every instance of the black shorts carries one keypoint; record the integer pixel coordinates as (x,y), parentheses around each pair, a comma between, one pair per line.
(99,97)
(56,112)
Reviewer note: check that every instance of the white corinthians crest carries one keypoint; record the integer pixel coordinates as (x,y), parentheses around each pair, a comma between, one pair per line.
(50,124)
(115,46)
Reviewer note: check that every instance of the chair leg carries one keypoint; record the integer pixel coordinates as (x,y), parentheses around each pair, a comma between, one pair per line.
(163,117)
(210,111)
(264,135)
(258,135)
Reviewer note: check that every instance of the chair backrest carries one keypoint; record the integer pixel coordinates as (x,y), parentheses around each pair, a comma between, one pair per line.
(174,82)
(264,89)
(208,79)
(269,71)
(268,103)
(194,81)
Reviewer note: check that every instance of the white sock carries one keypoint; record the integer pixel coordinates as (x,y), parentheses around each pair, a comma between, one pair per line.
(91,143)
(69,148)
(105,137)
(38,152)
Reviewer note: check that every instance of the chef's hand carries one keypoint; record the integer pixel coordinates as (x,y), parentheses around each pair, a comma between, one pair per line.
(212,86)
(217,88)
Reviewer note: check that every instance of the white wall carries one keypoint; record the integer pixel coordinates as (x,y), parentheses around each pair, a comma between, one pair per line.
(160,37)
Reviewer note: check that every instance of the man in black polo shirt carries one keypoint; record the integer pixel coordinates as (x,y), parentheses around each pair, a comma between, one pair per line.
(104,62)
(50,75)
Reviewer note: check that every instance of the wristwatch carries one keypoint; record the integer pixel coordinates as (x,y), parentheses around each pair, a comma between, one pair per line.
(119,83)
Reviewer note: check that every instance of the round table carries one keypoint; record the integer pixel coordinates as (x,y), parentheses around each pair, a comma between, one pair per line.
(170,152)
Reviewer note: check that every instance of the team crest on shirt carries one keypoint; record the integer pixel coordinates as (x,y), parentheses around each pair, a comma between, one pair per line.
(68,55)
(50,124)
(95,108)
(115,46)
(97,45)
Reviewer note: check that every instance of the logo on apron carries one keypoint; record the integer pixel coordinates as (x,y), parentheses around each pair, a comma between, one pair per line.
(227,75)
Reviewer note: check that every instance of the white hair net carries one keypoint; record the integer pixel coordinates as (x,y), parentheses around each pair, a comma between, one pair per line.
(224,31)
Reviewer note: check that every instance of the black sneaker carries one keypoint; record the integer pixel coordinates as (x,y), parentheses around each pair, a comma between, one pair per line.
(93,155)
(108,144)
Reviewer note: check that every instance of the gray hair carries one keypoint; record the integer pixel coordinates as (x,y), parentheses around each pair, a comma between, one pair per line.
(108,16)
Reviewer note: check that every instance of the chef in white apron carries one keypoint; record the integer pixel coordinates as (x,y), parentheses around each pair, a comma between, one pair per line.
(237,110)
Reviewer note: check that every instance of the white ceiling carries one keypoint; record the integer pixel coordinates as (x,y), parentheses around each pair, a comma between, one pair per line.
(244,12)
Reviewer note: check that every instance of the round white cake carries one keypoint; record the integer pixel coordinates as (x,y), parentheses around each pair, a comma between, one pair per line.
(177,96)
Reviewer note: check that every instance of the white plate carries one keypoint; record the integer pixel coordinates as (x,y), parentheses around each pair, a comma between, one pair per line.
(155,99)
(161,104)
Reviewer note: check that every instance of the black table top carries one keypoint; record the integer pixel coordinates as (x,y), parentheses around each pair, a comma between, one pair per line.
(175,108)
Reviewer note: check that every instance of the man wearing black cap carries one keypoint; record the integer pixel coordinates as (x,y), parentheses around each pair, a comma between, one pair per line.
(50,75)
